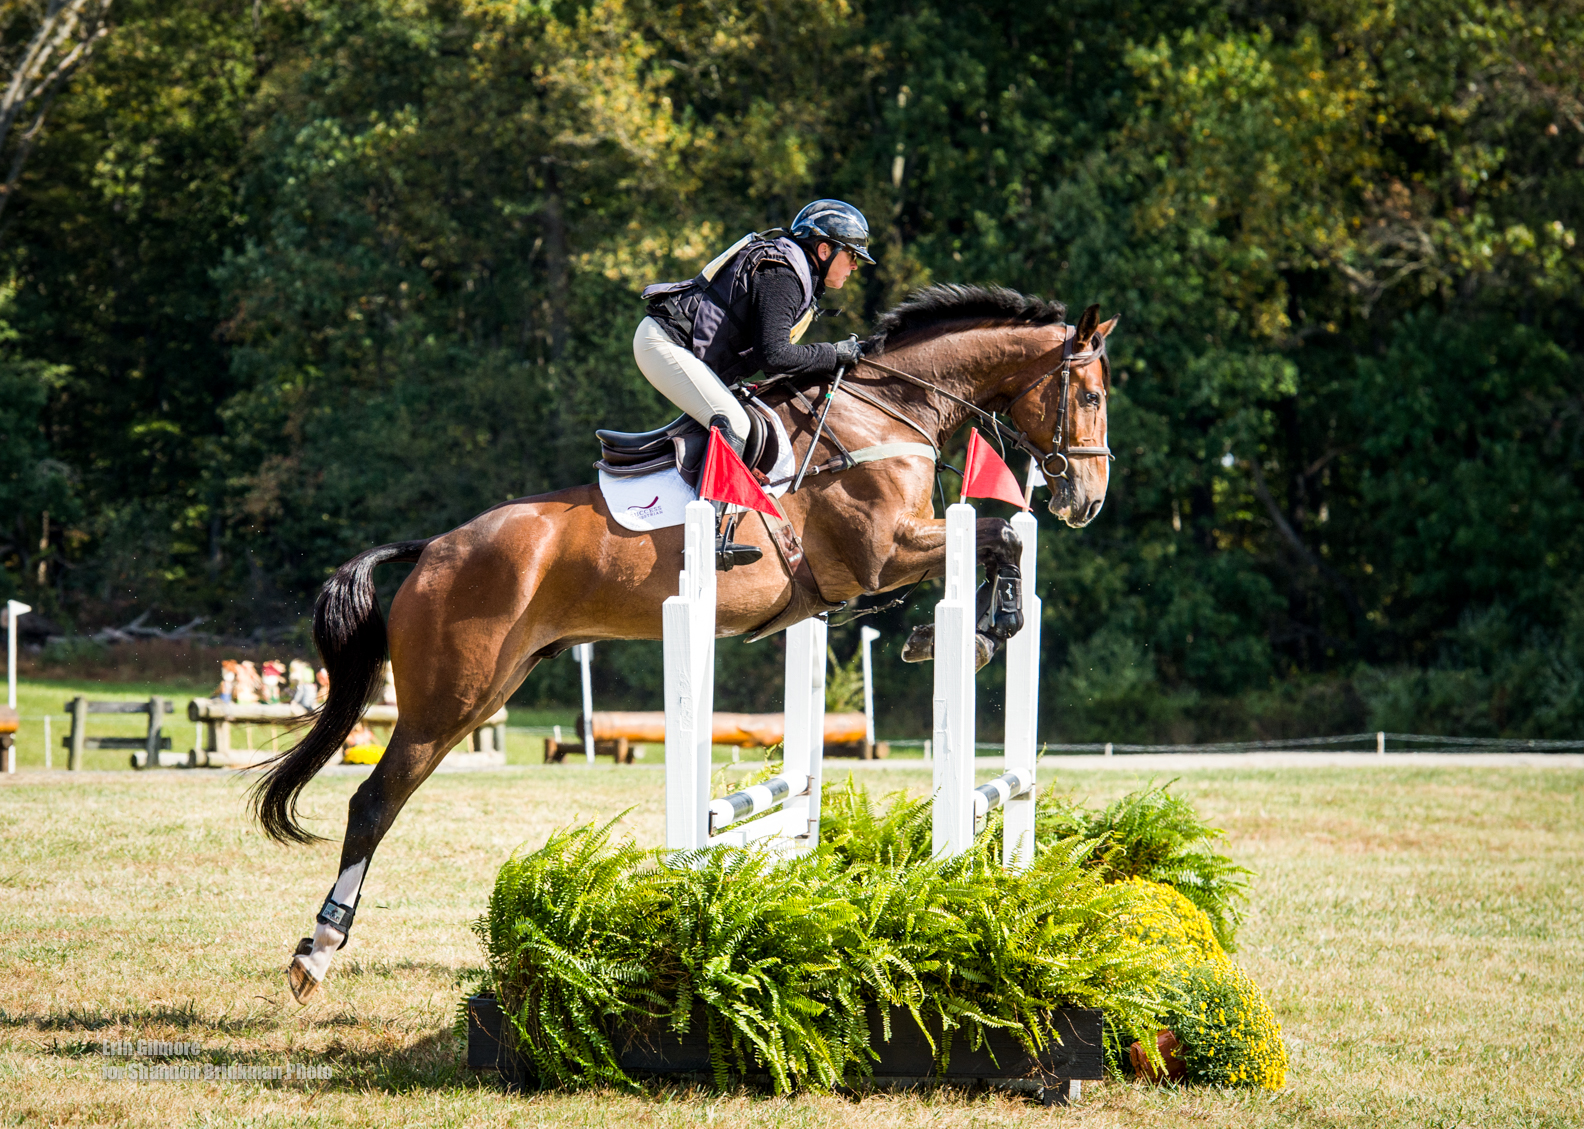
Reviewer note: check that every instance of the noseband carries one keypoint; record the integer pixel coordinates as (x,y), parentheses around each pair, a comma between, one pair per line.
(1060,448)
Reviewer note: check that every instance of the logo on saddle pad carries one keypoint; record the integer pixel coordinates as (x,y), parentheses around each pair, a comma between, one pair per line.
(648,509)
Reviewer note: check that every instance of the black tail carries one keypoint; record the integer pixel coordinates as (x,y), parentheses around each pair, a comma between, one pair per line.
(350,634)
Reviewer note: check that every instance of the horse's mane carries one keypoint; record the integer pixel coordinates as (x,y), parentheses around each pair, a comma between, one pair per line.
(953,302)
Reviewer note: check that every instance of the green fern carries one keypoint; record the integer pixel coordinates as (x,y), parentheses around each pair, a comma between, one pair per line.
(787,959)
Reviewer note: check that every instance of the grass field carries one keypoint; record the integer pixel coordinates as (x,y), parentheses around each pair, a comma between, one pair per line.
(1419,933)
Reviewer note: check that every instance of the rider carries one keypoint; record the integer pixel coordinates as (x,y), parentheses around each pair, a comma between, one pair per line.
(745,313)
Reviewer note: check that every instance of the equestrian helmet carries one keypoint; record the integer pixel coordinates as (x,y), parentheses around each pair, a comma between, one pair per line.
(836,222)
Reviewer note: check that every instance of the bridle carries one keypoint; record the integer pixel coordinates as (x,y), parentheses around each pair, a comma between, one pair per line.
(1060,447)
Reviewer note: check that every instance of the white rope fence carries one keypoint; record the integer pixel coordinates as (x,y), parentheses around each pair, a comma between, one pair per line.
(1376,741)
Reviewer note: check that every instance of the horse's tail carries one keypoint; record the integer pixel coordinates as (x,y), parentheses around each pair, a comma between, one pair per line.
(350,634)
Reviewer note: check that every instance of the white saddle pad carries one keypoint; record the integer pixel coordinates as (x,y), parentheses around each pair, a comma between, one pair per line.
(651,501)
(655,501)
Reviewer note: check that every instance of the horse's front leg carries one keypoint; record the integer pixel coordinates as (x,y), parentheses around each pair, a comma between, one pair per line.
(999,602)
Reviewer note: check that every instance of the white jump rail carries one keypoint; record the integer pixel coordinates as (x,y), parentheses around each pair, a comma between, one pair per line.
(692,819)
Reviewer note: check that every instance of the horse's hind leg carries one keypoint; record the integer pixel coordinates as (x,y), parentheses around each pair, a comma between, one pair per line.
(406,763)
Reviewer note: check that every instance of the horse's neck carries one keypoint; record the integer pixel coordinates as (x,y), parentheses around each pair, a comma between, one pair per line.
(975,364)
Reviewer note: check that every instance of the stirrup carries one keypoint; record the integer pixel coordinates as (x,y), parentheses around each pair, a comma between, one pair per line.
(728,553)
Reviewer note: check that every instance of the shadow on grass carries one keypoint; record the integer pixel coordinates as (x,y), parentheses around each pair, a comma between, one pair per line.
(435,1061)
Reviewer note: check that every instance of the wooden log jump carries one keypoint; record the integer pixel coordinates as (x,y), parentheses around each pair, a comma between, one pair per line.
(486,745)
(618,732)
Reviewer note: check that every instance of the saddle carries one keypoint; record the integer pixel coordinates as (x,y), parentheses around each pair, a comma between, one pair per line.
(683,443)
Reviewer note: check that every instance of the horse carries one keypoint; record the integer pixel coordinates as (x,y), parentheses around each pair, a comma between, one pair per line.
(529,578)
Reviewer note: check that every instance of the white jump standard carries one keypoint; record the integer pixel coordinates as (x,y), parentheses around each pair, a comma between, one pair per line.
(960,808)
(692,819)
(1014,789)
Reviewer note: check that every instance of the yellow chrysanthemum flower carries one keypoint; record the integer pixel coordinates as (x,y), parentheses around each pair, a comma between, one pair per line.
(1229,1034)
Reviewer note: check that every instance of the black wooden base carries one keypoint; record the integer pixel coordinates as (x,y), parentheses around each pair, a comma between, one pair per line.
(906,1061)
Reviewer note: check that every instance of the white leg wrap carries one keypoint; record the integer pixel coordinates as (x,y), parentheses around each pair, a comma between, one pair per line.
(683,379)
(327,938)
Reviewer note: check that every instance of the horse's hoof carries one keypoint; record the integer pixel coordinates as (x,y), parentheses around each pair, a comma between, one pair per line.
(304,984)
(920,646)
(984,650)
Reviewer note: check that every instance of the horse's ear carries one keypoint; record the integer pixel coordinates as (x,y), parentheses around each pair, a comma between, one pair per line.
(1086,325)
(1104,330)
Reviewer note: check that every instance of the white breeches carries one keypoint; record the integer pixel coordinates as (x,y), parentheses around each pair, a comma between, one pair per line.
(684,379)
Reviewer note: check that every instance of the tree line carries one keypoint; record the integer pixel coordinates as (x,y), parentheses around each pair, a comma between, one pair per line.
(285,280)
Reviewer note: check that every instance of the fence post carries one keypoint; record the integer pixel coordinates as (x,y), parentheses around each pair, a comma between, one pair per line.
(954,689)
(14,608)
(689,649)
(79,732)
(1022,705)
(156,709)
(585,657)
(866,636)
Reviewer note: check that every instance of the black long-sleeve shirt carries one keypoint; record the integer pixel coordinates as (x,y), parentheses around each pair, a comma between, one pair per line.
(777,301)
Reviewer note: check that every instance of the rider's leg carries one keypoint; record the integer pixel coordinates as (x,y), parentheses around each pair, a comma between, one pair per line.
(689,384)
(686,381)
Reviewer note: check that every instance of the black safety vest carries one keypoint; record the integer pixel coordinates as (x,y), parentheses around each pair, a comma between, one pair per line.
(714,313)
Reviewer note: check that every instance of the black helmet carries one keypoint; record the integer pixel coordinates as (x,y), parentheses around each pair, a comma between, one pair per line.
(833,221)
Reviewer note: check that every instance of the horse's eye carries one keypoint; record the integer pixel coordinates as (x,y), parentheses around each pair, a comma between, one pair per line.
(1092,399)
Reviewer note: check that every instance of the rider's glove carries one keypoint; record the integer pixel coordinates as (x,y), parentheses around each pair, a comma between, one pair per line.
(848,352)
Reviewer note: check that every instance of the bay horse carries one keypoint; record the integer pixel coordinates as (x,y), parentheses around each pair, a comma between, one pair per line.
(529,578)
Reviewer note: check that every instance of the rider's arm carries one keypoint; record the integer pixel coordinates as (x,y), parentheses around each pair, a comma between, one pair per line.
(777,299)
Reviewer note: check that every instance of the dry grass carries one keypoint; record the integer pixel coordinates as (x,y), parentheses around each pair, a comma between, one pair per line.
(1419,933)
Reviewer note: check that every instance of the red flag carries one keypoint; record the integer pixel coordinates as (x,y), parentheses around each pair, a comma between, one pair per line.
(727,478)
(986,476)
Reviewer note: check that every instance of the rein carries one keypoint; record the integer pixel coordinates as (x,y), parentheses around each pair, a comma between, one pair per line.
(1060,449)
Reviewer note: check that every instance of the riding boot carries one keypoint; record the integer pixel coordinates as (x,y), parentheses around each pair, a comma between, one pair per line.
(728,553)
(723,425)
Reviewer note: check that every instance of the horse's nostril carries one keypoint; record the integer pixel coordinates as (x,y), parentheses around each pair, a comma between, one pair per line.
(1093,509)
